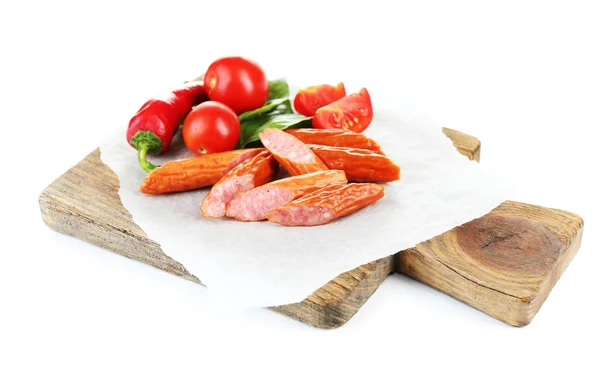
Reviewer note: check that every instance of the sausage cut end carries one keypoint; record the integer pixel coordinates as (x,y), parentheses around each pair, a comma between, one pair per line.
(254,205)
(293,155)
(214,204)
(302,216)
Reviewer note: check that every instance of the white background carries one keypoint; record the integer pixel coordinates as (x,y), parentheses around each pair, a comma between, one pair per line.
(522,76)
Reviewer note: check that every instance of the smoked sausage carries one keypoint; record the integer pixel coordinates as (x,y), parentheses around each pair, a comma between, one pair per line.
(327,204)
(247,175)
(335,137)
(360,165)
(194,172)
(293,155)
(254,205)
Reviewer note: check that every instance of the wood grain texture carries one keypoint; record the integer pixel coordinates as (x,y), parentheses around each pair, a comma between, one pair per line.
(504,263)
(336,302)
(84,203)
(466,145)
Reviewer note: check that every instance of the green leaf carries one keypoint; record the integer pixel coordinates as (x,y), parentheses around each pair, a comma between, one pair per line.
(283,108)
(268,107)
(252,127)
(278,94)
(278,89)
(276,113)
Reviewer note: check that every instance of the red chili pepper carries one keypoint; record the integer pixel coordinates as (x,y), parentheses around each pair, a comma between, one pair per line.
(156,122)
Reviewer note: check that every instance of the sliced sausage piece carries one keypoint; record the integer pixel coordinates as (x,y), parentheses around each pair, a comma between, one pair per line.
(293,155)
(327,204)
(335,137)
(360,165)
(245,176)
(254,205)
(194,172)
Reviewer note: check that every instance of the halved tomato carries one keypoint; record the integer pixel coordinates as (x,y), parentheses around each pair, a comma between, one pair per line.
(311,98)
(353,112)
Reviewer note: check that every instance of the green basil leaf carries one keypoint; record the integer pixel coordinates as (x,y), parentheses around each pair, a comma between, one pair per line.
(268,107)
(278,94)
(276,113)
(283,108)
(278,89)
(252,127)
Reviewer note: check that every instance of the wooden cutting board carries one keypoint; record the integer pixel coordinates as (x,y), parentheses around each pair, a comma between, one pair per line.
(504,263)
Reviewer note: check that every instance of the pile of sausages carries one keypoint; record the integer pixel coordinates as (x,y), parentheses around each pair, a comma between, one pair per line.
(332,173)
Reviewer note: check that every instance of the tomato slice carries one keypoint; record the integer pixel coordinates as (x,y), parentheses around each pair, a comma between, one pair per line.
(353,112)
(311,98)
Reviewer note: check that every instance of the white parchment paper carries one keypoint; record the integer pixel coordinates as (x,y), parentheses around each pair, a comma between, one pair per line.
(264,264)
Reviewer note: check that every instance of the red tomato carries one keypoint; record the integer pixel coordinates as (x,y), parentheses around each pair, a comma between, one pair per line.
(353,112)
(238,83)
(211,127)
(311,98)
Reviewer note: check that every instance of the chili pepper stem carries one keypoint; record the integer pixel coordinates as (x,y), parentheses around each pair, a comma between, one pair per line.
(142,152)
